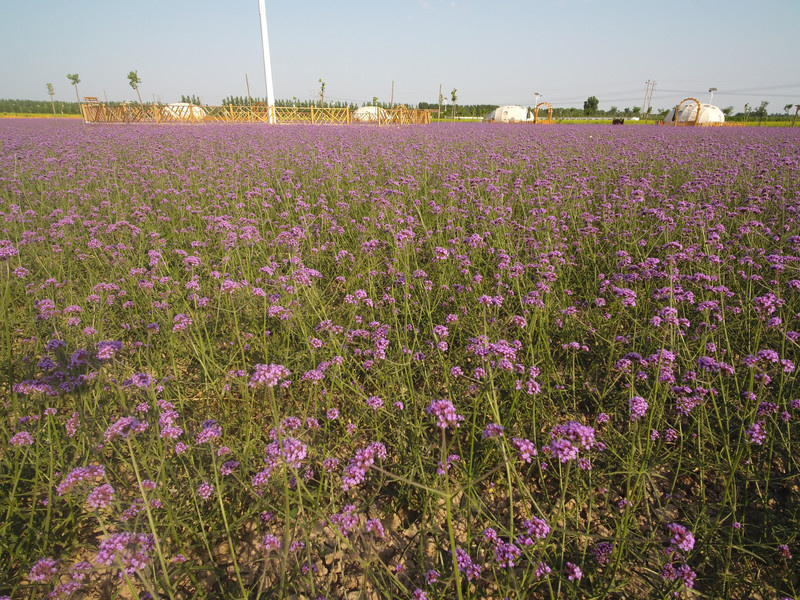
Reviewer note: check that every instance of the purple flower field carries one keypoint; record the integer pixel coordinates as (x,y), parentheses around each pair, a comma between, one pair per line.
(454,361)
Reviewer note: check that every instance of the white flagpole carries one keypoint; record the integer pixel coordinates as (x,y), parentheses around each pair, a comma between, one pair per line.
(267,64)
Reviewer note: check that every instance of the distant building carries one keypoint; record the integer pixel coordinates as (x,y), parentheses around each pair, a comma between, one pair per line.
(709,114)
(508,114)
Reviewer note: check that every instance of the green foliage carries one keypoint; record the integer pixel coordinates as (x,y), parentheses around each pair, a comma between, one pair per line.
(191,100)
(590,106)
(134,80)
(38,107)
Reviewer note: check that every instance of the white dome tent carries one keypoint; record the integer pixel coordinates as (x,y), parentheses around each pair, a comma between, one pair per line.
(370,114)
(688,114)
(183,111)
(508,114)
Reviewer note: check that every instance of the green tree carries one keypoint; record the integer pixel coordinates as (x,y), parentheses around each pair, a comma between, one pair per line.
(590,106)
(75,81)
(321,93)
(727,111)
(453,97)
(52,93)
(613,111)
(761,111)
(787,108)
(134,81)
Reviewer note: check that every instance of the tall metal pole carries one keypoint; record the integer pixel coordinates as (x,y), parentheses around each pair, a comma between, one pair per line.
(267,64)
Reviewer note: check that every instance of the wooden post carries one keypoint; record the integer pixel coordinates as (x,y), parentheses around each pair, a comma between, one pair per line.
(230,108)
(312,114)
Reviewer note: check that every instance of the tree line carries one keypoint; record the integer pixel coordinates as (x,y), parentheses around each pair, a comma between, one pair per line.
(448,111)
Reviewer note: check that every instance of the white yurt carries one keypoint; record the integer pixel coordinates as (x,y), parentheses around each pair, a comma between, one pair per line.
(708,114)
(183,111)
(370,114)
(508,114)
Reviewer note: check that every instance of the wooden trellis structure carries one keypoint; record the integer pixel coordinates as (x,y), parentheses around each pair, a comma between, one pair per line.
(678,111)
(549,119)
(96,112)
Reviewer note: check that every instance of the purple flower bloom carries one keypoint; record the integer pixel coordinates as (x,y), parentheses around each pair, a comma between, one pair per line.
(123,426)
(359,465)
(374,402)
(681,537)
(7,249)
(21,438)
(526,448)
(563,450)
(602,552)
(638,408)
(466,566)
(79,474)
(506,554)
(346,520)
(271,542)
(205,490)
(573,572)
(755,433)
(210,431)
(269,375)
(228,467)
(128,551)
(536,527)
(43,570)
(493,430)
(445,414)
(376,527)
(181,322)
(101,496)
(106,350)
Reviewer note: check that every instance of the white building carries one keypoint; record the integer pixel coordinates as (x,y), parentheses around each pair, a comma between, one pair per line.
(709,114)
(508,114)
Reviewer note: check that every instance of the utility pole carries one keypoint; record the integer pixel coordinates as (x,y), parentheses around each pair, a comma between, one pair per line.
(267,64)
(648,95)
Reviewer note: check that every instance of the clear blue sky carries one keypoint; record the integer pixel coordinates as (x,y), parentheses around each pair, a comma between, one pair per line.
(493,52)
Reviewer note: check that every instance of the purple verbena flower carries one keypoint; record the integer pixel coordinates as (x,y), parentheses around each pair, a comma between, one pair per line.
(682,538)
(269,375)
(127,551)
(445,414)
(43,570)
(638,408)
